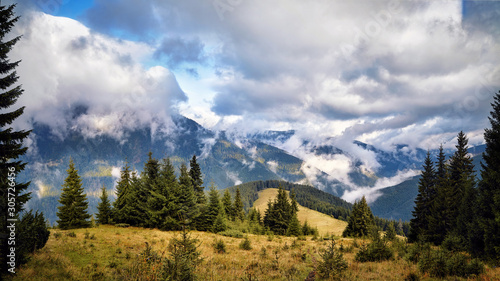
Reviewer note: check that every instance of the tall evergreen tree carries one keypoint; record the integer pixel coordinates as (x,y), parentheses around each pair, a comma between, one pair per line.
(440,218)
(104,211)
(489,186)
(227,204)
(185,197)
(279,213)
(73,210)
(197,180)
(293,202)
(122,204)
(238,205)
(361,221)
(462,205)
(419,227)
(11,141)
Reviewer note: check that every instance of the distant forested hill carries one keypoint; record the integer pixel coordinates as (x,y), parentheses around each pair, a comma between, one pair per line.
(307,196)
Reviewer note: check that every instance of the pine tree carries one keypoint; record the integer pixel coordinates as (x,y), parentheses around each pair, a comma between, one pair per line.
(11,141)
(104,211)
(228,206)
(214,207)
(185,197)
(73,210)
(293,205)
(238,205)
(463,192)
(361,220)
(390,233)
(489,186)
(121,206)
(278,213)
(440,220)
(294,227)
(197,180)
(419,227)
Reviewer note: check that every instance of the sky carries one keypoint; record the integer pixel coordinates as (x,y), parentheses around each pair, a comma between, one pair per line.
(382,72)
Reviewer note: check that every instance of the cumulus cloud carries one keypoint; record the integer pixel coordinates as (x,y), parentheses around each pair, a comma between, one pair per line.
(76,78)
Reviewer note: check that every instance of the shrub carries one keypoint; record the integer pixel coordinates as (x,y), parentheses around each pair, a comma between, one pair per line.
(219,246)
(232,233)
(184,258)
(441,263)
(71,234)
(57,235)
(333,264)
(245,244)
(375,251)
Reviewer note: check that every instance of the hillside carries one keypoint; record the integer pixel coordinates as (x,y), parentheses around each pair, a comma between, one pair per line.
(325,223)
(307,196)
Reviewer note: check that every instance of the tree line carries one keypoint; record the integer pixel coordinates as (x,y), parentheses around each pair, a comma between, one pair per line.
(453,206)
(155,198)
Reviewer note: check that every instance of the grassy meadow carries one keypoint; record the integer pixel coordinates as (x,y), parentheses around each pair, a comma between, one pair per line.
(109,252)
(115,253)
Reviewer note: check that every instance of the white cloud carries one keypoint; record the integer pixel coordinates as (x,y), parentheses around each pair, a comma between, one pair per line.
(68,70)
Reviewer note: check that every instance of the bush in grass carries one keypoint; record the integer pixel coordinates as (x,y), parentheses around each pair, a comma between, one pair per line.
(333,264)
(245,244)
(71,234)
(441,263)
(375,251)
(219,246)
(184,258)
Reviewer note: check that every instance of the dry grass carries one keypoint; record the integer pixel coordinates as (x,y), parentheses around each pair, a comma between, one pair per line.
(114,250)
(326,224)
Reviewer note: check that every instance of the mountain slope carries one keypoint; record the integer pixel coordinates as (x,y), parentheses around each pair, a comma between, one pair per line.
(325,223)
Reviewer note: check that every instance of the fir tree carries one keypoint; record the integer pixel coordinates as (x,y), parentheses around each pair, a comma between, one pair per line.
(293,204)
(419,227)
(197,180)
(361,221)
(462,205)
(279,213)
(73,210)
(11,141)
(489,186)
(32,235)
(121,206)
(185,197)
(294,227)
(440,219)
(390,233)
(238,205)
(228,206)
(104,210)
(214,207)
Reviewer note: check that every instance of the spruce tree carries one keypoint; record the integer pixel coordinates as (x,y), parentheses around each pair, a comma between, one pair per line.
(361,220)
(238,205)
(11,141)
(227,204)
(293,204)
(419,227)
(122,204)
(214,207)
(294,227)
(390,233)
(278,213)
(463,196)
(489,186)
(73,210)
(440,219)
(104,211)
(197,180)
(185,197)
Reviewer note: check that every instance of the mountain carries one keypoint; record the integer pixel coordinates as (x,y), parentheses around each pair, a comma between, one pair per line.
(100,158)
